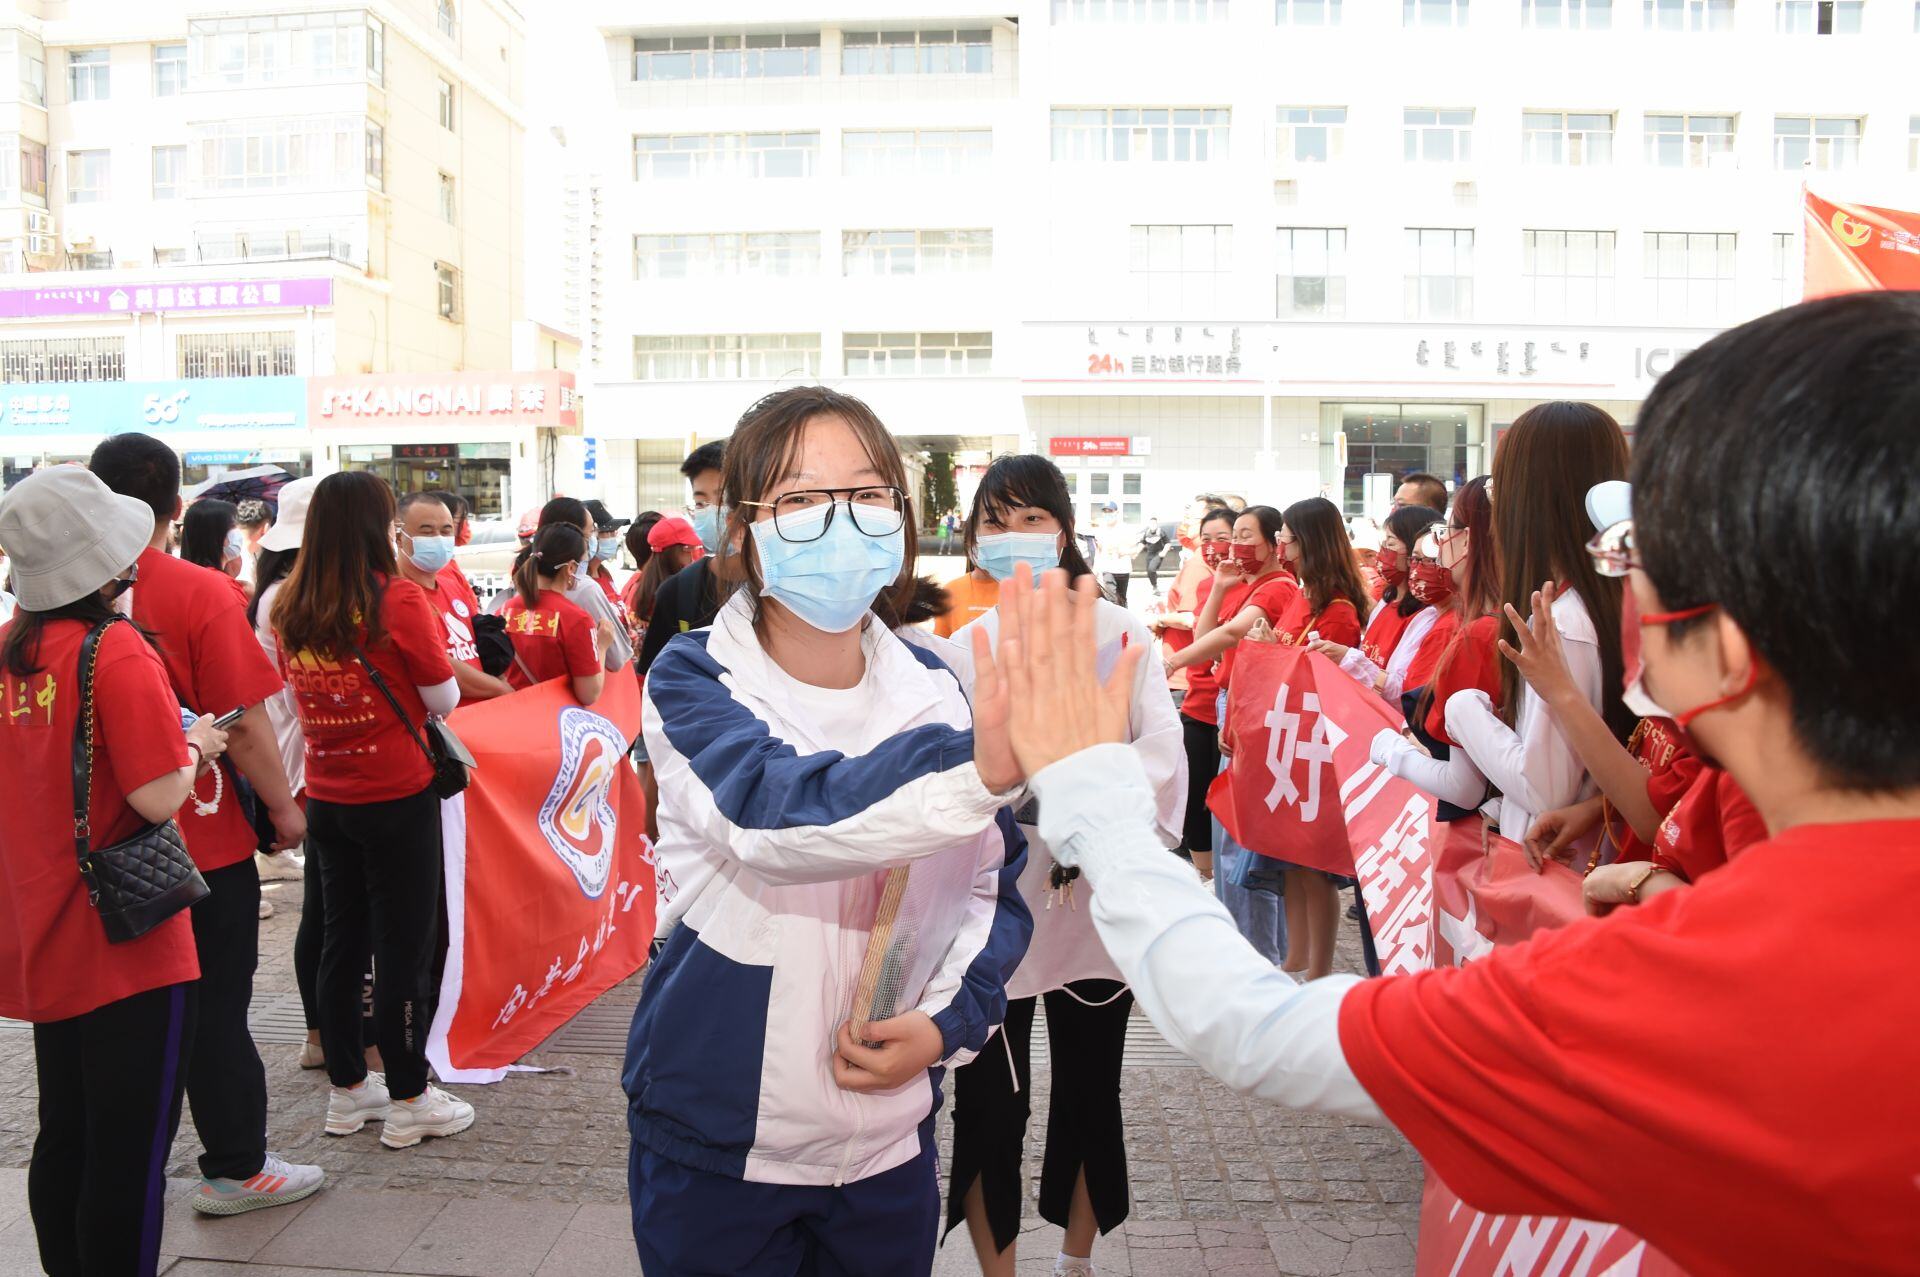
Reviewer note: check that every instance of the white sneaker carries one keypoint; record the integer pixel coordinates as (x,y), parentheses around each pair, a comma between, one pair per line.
(266,910)
(433,1112)
(348,1111)
(278,1183)
(1071,1266)
(312,1056)
(281,866)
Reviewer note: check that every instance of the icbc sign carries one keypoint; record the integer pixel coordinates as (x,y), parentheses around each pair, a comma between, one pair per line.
(1090,446)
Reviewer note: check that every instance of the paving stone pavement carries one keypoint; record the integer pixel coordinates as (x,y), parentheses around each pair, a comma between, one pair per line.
(1221,1184)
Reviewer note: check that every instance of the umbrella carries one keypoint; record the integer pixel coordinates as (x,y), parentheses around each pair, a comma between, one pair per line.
(259,483)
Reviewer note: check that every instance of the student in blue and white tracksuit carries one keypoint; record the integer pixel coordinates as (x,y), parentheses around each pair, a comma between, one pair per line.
(802,751)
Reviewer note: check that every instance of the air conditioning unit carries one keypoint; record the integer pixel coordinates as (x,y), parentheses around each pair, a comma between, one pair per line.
(39,223)
(42,246)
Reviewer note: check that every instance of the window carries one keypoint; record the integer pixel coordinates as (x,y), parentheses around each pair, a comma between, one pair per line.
(1438,137)
(1687,15)
(1312,272)
(446,199)
(1141,133)
(1788,279)
(1307,13)
(917,53)
(169,171)
(169,256)
(1829,142)
(1569,273)
(727,357)
(40,359)
(88,174)
(274,242)
(376,156)
(302,153)
(267,354)
(726,57)
(1817,17)
(446,105)
(766,253)
(1561,137)
(1180,269)
(1567,15)
(1433,13)
(98,260)
(1392,438)
(671,155)
(169,70)
(1440,274)
(33,172)
(443,17)
(1690,274)
(89,77)
(1913,142)
(285,48)
(1311,134)
(1688,141)
(20,51)
(447,287)
(376,51)
(1123,12)
(880,253)
(916,152)
(919,354)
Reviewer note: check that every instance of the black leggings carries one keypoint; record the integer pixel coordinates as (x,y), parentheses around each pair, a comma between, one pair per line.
(1203,764)
(1084,1130)
(380,872)
(111,1082)
(308,941)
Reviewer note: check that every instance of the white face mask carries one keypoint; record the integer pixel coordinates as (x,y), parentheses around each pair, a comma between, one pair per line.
(236,545)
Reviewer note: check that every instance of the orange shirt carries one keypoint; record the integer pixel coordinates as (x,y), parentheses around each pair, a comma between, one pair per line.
(973,598)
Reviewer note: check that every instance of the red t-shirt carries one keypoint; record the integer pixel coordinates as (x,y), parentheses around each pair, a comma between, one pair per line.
(198,620)
(1726,1071)
(1273,595)
(1433,646)
(454,602)
(604,579)
(1710,825)
(553,638)
(1471,661)
(1338,623)
(1202,703)
(55,961)
(358,751)
(1671,770)
(1384,632)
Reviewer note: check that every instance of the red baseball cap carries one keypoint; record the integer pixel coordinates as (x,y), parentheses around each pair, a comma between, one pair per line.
(529,524)
(675,531)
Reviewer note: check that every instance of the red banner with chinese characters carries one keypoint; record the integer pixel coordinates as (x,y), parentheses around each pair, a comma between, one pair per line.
(1853,248)
(550,888)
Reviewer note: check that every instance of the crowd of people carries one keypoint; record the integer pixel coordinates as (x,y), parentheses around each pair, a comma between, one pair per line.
(894,817)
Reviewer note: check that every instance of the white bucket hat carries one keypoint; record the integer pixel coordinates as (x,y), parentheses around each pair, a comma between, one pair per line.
(68,534)
(291,524)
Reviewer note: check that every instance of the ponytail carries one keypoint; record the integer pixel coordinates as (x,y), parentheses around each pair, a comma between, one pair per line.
(556,545)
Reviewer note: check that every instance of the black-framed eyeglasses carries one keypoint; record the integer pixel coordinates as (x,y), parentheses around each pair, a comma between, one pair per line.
(805,515)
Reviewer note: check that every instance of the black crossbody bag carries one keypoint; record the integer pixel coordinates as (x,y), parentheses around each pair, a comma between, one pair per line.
(449,756)
(139,882)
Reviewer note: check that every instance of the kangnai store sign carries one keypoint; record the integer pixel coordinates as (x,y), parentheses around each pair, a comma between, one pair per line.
(528,399)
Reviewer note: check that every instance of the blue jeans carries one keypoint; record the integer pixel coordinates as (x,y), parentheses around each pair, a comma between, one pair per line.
(1256,909)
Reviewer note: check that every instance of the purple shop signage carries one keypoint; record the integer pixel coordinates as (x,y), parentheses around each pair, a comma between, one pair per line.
(187,295)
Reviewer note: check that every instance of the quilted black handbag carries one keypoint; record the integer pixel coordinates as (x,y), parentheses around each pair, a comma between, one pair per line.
(140,882)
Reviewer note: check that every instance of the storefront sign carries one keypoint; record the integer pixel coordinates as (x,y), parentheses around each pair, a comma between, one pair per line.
(1090,446)
(590,467)
(1551,360)
(426,451)
(120,299)
(448,399)
(1140,352)
(99,408)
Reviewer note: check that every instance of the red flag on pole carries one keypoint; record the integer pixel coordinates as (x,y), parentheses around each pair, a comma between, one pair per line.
(1854,248)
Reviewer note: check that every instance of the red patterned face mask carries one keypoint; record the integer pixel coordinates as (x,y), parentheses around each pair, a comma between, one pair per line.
(1391,566)
(1247,556)
(1431,583)
(1213,553)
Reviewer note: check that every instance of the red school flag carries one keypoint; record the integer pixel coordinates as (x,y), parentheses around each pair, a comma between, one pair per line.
(1853,248)
(1301,733)
(550,876)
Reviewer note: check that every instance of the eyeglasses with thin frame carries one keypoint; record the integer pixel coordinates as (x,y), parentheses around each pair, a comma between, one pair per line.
(876,510)
(1613,550)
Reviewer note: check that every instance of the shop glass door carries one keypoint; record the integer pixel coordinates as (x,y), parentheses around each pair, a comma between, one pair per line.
(1448,440)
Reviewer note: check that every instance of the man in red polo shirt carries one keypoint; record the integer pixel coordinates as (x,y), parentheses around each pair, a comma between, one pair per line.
(200,626)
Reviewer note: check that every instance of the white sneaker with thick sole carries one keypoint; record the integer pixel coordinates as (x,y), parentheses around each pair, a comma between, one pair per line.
(312,1056)
(348,1111)
(281,866)
(433,1112)
(278,1183)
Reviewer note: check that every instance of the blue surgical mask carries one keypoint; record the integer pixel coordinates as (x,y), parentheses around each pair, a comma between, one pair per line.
(706,524)
(999,554)
(430,554)
(586,566)
(604,550)
(830,582)
(236,544)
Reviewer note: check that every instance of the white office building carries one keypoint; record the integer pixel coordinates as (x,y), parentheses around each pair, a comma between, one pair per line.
(1263,247)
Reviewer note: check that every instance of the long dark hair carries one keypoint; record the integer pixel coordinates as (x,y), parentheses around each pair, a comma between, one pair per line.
(336,583)
(1026,480)
(1328,570)
(203,532)
(20,653)
(553,547)
(637,544)
(271,566)
(1547,460)
(1408,524)
(654,575)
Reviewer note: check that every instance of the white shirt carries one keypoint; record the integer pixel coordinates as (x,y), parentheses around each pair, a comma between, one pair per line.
(1364,671)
